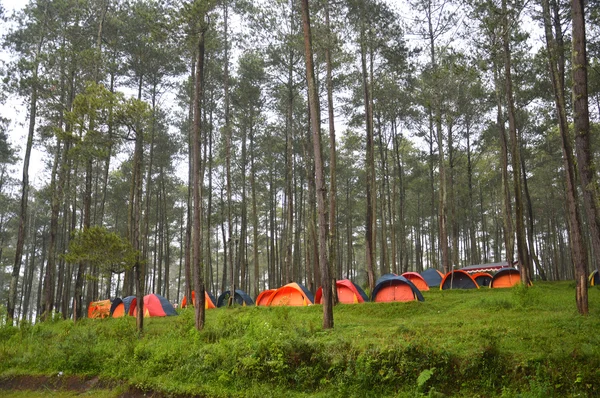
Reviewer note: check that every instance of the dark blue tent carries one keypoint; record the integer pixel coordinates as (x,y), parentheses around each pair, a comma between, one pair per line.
(240,298)
(458,279)
(361,292)
(392,287)
(125,303)
(432,276)
(384,277)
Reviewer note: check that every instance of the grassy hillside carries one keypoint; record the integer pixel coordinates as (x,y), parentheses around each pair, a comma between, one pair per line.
(491,342)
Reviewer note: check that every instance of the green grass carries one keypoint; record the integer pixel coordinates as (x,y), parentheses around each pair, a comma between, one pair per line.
(525,342)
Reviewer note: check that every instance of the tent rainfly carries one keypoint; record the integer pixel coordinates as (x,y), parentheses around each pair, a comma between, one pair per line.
(594,278)
(240,298)
(417,280)
(263,298)
(392,287)
(122,307)
(209,300)
(154,306)
(432,276)
(507,277)
(293,294)
(482,278)
(99,309)
(348,292)
(458,279)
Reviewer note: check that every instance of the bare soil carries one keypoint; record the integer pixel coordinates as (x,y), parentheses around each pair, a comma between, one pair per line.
(76,384)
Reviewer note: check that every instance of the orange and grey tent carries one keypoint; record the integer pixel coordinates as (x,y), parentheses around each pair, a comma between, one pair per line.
(240,297)
(458,279)
(348,292)
(293,294)
(263,297)
(417,280)
(209,300)
(392,287)
(99,309)
(121,307)
(432,276)
(155,305)
(594,278)
(506,277)
(482,278)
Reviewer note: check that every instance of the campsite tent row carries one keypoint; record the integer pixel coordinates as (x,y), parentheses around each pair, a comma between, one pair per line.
(154,305)
(388,288)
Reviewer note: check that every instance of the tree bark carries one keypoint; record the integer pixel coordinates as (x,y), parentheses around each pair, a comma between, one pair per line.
(197,195)
(315,121)
(585,161)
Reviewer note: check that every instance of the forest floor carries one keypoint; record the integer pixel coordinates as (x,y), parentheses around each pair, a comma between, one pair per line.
(518,342)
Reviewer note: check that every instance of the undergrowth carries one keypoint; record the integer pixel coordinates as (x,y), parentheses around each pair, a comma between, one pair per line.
(526,342)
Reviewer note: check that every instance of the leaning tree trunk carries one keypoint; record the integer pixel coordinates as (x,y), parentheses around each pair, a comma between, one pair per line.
(315,122)
(12,293)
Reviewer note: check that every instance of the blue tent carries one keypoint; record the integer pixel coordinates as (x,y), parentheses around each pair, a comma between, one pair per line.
(240,298)
(458,279)
(432,276)
(126,303)
(392,287)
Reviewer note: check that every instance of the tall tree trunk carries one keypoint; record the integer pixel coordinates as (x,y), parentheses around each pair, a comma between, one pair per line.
(12,293)
(197,195)
(523,253)
(506,197)
(370,236)
(313,99)
(255,287)
(585,161)
(332,156)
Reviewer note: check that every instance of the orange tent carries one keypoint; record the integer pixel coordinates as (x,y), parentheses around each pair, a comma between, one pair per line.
(209,301)
(99,309)
(417,280)
(391,287)
(506,277)
(347,291)
(263,297)
(292,294)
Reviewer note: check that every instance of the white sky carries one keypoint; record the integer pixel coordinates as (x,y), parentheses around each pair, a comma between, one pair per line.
(15,109)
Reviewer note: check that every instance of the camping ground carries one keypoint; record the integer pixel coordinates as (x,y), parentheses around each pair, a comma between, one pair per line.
(526,342)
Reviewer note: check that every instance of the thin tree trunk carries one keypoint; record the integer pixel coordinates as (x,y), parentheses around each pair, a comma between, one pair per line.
(523,253)
(197,194)
(21,235)
(315,122)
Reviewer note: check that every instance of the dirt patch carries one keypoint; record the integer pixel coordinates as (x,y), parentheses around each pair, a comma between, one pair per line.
(58,382)
(76,384)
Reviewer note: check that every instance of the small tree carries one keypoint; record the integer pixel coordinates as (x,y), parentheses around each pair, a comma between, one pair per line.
(106,250)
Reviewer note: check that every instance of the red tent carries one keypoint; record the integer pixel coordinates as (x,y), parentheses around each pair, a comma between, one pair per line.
(347,291)
(154,305)
(417,280)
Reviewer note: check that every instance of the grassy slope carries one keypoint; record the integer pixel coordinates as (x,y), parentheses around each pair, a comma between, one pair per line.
(490,342)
